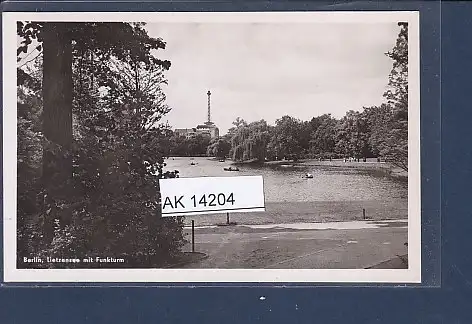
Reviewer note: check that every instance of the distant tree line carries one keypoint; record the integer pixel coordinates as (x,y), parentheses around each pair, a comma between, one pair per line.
(180,145)
(354,135)
(378,131)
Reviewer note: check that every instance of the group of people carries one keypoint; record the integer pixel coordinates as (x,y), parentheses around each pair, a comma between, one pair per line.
(351,159)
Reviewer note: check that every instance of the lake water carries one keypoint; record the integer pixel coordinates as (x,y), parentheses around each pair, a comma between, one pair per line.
(336,192)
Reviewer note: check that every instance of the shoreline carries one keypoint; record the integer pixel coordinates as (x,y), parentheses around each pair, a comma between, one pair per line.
(371,164)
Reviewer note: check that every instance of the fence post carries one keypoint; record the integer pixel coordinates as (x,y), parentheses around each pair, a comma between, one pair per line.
(227,218)
(193,235)
(363,212)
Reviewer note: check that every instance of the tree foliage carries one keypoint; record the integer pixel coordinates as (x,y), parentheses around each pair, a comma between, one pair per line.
(352,137)
(390,124)
(219,147)
(249,141)
(193,146)
(286,138)
(107,200)
(323,135)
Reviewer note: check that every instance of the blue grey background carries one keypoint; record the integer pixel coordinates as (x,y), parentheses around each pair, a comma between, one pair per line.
(445,294)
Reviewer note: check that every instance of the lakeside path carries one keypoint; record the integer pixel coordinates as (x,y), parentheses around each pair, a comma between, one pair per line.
(311,212)
(336,245)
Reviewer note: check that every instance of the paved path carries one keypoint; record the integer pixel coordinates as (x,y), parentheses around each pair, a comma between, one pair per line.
(339,245)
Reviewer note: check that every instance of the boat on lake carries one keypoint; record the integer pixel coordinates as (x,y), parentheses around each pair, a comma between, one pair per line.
(231,169)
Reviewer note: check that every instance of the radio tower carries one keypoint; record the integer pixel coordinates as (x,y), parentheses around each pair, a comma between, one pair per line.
(209,108)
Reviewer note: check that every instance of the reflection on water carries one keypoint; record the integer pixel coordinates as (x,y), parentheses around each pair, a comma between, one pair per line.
(286,183)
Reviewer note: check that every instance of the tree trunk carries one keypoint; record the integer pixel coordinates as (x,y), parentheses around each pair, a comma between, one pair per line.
(57,121)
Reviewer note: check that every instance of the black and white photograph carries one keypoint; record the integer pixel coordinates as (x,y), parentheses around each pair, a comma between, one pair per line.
(202,147)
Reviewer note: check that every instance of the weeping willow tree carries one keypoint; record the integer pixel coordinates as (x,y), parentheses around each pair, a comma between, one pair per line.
(249,142)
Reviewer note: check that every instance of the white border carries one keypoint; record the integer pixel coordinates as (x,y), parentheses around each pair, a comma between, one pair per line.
(410,275)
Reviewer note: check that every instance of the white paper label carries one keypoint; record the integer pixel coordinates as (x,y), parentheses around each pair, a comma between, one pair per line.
(211,195)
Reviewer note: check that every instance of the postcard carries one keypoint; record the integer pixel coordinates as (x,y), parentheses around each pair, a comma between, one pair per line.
(228,147)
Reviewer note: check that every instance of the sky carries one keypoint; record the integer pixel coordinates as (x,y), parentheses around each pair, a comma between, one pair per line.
(268,70)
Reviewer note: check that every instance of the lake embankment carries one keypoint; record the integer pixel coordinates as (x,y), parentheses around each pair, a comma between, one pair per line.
(310,212)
